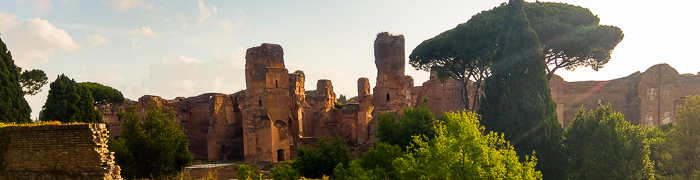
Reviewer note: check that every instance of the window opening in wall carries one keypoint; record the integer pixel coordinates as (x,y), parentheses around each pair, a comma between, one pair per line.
(260,102)
(276,83)
(280,155)
(388,97)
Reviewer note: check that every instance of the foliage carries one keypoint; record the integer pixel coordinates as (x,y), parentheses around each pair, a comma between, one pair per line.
(354,171)
(342,98)
(102,94)
(338,105)
(32,81)
(571,37)
(155,147)
(602,145)
(248,172)
(69,102)
(4,144)
(681,160)
(658,147)
(414,121)
(517,100)
(329,153)
(460,151)
(374,164)
(284,172)
(13,107)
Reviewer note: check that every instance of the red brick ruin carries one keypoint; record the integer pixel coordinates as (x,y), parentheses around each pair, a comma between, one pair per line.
(271,118)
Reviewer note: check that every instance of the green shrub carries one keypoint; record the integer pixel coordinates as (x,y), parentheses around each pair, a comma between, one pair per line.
(284,172)
(312,163)
(248,172)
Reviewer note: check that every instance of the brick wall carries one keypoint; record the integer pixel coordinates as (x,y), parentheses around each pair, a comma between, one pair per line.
(58,152)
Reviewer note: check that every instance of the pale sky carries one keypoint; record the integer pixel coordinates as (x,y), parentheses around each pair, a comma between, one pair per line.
(186,48)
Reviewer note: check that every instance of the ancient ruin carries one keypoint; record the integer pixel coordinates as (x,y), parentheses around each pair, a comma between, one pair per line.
(275,114)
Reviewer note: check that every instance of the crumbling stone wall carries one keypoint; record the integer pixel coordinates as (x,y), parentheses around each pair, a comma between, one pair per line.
(76,151)
(390,93)
(110,115)
(266,105)
(649,98)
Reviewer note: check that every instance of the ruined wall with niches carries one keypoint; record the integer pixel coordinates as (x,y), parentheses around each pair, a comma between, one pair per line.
(319,115)
(649,98)
(110,115)
(390,93)
(298,99)
(364,114)
(266,105)
(442,96)
(570,97)
(76,151)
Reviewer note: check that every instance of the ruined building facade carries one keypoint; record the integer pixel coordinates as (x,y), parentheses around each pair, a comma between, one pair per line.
(275,115)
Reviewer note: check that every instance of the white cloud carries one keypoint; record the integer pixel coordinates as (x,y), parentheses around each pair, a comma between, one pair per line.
(35,40)
(42,6)
(215,10)
(204,12)
(95,40)
(141,36)
(143,31)
(186,76)
(7,21)
(123,5)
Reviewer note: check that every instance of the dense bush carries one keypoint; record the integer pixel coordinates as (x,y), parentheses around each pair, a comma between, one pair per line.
(152,148)
(414,121)
(329,153)
(602,145)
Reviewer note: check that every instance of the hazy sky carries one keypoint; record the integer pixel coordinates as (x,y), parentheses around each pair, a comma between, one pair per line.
(186,48)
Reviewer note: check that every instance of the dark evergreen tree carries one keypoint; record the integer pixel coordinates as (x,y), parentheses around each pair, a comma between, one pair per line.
(69,102)
(517,100)
(13,107)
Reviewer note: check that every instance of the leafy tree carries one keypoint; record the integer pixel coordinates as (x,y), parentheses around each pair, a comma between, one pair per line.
(32,81)
(13,107)
(658,147)
(517,100)
(571,37)
(69,102)
(374,164)
(461,151)
(102,94)
(683,159)
(414,121)
(602,145)
(329,153)
(155,147)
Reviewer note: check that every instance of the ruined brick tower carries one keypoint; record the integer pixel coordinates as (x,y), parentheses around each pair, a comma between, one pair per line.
(266,113)
(390,93)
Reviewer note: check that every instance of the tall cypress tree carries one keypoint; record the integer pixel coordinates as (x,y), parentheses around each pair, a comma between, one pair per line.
(69,101)
(13,107)
(517,100)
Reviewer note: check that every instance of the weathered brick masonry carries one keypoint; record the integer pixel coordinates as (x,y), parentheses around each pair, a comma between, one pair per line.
(58,152)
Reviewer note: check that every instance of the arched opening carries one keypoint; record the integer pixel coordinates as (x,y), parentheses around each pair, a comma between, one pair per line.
(276,83)
(388,97)
(260,102)
(280,155)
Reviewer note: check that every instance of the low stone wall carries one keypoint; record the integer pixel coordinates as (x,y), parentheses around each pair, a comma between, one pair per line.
(58,152)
